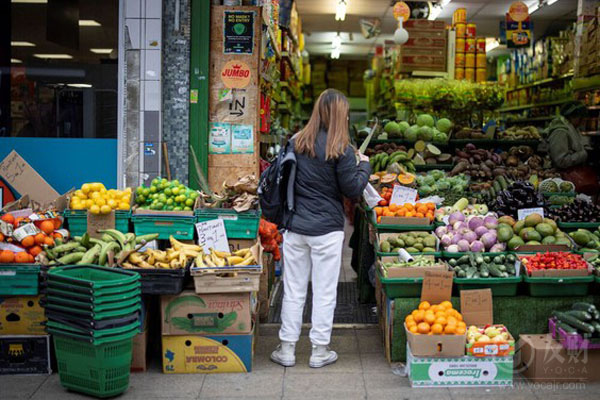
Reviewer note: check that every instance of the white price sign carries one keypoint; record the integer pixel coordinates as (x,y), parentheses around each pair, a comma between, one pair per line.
(524,212)
(402,195)
(212,235)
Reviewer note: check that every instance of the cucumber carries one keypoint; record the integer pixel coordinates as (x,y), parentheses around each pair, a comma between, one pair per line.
(452,262)
(494,271)
(566,327)
(487,259)
(596,326)
(511,259)
(581,306)
(574,322)
(463,260)
(484,271)
(580,315)
(498,260)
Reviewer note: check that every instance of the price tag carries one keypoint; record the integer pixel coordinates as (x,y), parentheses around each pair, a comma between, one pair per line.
(476,306)
(402,195)
(212,235)
(524,212)
(6,229)
(26,230)
(437,286)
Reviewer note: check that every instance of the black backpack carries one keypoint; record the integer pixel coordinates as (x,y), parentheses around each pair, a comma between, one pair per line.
(276,187)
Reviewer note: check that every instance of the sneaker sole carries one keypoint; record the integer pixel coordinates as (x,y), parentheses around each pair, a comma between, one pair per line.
(323,363)
(283,363)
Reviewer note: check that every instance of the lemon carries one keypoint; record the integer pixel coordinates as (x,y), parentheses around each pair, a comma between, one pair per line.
(76,199)
(78,206)
(89,203)
(112,203)
(105,209)
(123,206)
(100,202)
(95,195)
(95,209)
(86,188)
(127,190)
(96,186)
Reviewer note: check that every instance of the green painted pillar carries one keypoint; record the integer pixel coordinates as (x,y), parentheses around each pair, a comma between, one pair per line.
(199,67)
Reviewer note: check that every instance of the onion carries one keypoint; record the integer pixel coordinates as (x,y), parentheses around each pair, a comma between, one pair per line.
(452,249)
(489,239)
(456,238)
(463,245)
(456,217)
(441,231)
(458,226)
(475,222)
(477,246)
(490,222)
(470,236)
(498,247)
(481,231)
(446,240)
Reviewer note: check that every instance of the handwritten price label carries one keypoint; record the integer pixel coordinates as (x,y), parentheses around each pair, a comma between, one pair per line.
(212,235)
(402,195)
(524,212)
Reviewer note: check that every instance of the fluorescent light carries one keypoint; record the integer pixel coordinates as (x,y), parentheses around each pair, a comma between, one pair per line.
(57,56)
(18,43)
(336,47)
(434,13)
(15,61)
(79,85)
(550,2)
(340,10)
(29,1)
(89,22)
(491,44)
(101,51)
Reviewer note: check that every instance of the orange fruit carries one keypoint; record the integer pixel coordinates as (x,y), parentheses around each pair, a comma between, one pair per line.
(458,316)
(28,241)
(429,318)
(420,316)
(22,257)
(1,237)
(49,241)
(40,238)
(441,320)
(451,320)
(57,223)
(413,329)
(17,221)
(446,304)
(411,323)
(8,218)
(449,329)
(7,257)
(461,324)
(460,330)
(437,329)
(440,314)
(424,305)
(35,250)
(57,235)
(409,318)
(47,226)
(423,327)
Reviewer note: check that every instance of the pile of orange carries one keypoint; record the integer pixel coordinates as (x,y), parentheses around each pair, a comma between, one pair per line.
(33,244)
(437,319)
(418,210)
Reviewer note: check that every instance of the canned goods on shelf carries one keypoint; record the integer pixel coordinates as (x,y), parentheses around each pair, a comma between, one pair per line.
(459,60)
(461,30)
(459,16)
(470,45)
(470,74)
(471,30)
(470,60)
(460,45)
(459,74)
(480,61)
(481,75)
(480,45)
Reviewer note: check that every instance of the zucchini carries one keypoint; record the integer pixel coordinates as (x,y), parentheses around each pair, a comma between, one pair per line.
(498,260)
(511,259)
(487,259)
(463,260)
(581,306)
(596,326)
(484,271)
(479,260)
(471,272)
(566,327)
(452,262)
(494,271)
(580,315)
(574,322)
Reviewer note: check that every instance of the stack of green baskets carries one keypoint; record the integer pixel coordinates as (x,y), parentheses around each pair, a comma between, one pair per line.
(93,314)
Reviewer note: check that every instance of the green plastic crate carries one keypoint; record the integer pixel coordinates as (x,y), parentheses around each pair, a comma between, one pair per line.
(180,227)
(558,286)
(19,279)
(77,221)
(124,295)
(86,291)
(93,276)
(436,254)
(401,287)
(446,255)
(83,305)
(93,333)
(242,225)
(500,286)
(384,228)
(579,225)
(95,315)
(100,370)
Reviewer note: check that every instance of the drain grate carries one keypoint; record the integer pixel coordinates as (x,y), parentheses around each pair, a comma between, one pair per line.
(347,311)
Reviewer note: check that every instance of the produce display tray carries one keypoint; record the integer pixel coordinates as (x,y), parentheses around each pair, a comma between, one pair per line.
(578,225)
(448,255)
(77,221)
(436,254)
(19,279)
(558,286)
(501,287)
(571,341)
(384,228)
(401,287)
(429,167)
(93,277)
(565,194)
(180,227)
(234,279)
(161,281)
(242,225)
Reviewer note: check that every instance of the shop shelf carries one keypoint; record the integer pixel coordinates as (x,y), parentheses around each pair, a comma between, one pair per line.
(100,370)
(401,287)
(501,287)
(161,281)
(19,279)
(242,225)
(558,286)
(572,341)
(180,227)
(77,221)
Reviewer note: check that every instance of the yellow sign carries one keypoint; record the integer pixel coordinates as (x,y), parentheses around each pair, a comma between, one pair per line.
(236,74)
(518,11)
(401,9)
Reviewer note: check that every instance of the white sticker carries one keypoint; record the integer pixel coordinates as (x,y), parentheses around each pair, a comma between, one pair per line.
(402,195)
(10,247)
(212,235)
(8,273)
(26,230)
(153,244)
(6,229)
(524,212)
(231,217)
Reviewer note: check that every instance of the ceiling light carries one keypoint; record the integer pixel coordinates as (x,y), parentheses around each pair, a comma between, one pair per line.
(15,61)
(57,56)
(89,22)
(340,10)
(534,7)
(437,9)
(550,2)
(491,44)
(336,46)
(29,1)
(101,51)
(79,85)
(22,44)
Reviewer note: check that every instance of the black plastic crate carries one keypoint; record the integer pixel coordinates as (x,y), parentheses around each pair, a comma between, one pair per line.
(25,355)
(161,281)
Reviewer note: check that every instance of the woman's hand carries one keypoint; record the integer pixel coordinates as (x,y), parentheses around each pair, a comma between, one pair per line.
(362,157)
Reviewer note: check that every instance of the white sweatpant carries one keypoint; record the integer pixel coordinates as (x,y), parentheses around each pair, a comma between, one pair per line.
(324,255)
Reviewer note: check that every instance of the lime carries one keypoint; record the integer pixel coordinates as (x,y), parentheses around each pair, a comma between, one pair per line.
(154,196)
(162,197)
(169,202)
(177,209)
(140,199)
(164,181)
(170,207)
(168,191)
(146,192)
(189,202)
(139,190)
(175,182)
(155,181)
(194,195)
(153,189)
(182,188)
(160,205)
(175,191)
(187,208)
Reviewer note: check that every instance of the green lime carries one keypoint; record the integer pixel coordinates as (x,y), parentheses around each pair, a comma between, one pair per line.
(139,190)
(168,191)
(155,181)
(154,196)
(140,199)
(189,202)
(164,181)
(175,191)
(177,208)
(170,208)
(182,188)
(162,197)
(160,205)
(175,182)
(146,192)
(194,195)
(169,202)
(153,189)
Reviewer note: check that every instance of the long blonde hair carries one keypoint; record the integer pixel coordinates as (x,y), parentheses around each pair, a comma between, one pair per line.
(331,114)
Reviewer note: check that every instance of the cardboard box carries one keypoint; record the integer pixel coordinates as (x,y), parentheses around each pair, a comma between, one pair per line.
(476,309)
(189,313)
(425,42)
(24,179)
(464,371)
(437,287)
(22,315)
(404,221)
(25,355)
(409,272)
(543,359)
(424,24)
(139,361)
(208,354)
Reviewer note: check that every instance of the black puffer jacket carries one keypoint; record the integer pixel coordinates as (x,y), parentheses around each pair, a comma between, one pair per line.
(320,187)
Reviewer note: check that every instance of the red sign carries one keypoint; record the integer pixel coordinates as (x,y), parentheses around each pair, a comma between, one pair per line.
(236,74)
(518,11)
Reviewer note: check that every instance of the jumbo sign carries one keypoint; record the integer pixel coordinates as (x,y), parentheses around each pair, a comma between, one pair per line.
(236,74)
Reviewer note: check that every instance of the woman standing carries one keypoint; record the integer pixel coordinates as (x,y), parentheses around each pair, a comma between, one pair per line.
(312,246)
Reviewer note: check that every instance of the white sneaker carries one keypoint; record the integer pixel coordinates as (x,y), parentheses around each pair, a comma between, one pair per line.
(322,356)
(284,354)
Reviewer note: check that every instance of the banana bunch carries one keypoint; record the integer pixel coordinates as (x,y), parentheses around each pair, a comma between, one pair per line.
(175,257)
(217,259)
(87,250)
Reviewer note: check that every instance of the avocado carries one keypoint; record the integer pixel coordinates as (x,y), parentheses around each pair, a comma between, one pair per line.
(385,246)
(525,231)
(551,222)
(549,240)
(518,226)
(532,235)
(515,242)
(580,237)
(544,229)
(532,243)
(533,219)
(505,233)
